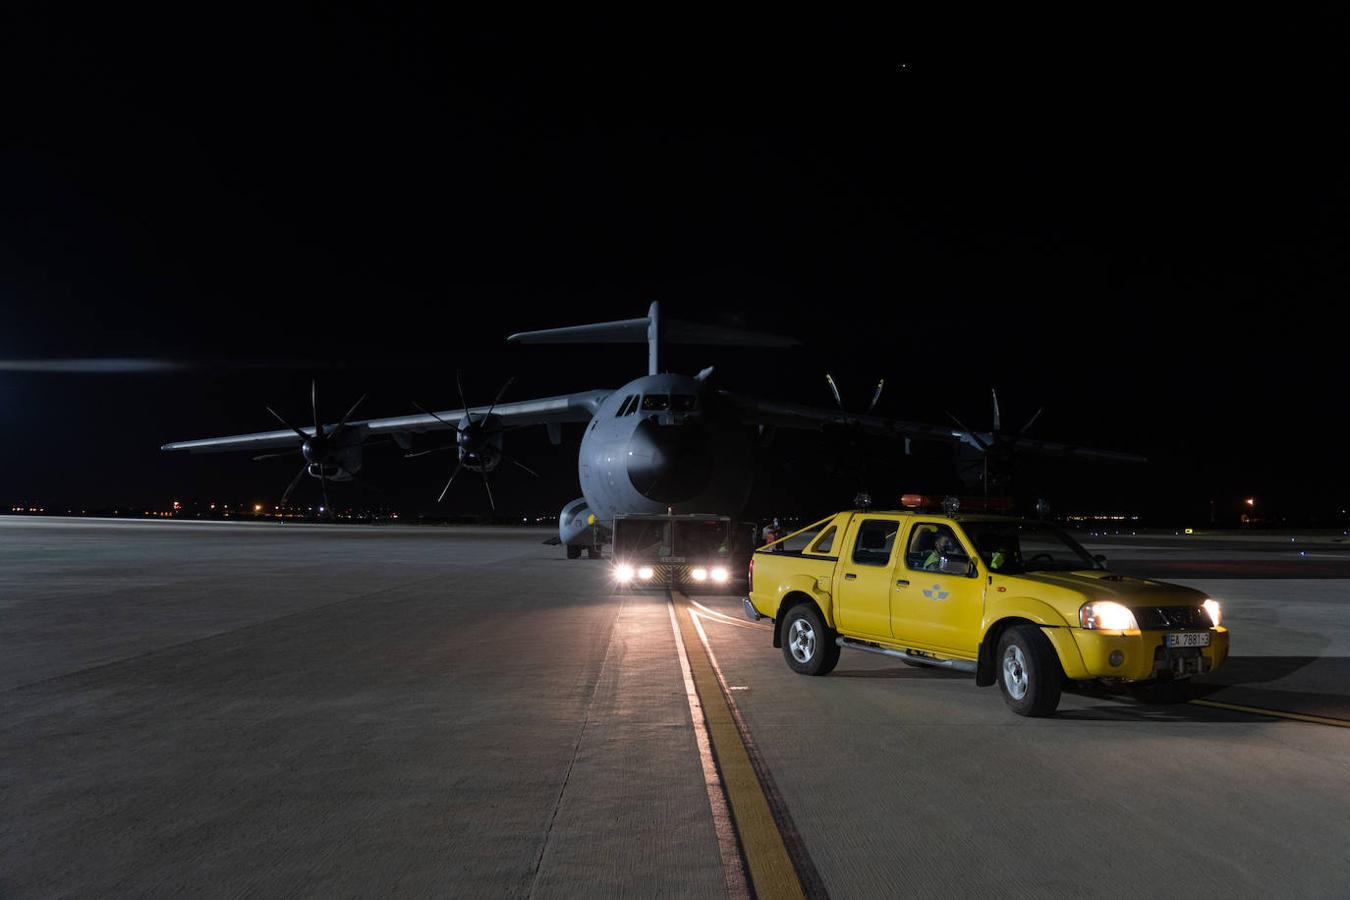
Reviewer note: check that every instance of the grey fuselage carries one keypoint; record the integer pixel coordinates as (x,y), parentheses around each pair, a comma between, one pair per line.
(692,456)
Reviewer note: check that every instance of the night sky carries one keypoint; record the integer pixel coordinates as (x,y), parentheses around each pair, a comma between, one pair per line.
(1143,225)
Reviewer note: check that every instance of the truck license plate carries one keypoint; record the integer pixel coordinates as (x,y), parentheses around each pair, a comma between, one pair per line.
(1193,639)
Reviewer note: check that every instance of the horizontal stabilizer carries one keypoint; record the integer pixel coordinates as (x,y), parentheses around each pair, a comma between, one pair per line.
(653,330)
(623,331)
(635,331)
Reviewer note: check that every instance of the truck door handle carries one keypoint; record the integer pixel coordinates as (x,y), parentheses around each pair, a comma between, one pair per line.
(849,576)
(900,582)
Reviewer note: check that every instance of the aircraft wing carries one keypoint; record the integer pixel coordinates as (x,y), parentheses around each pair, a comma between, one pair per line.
(755,411)
(1050,448)
(577,407)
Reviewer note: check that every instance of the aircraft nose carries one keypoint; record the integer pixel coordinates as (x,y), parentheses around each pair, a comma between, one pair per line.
(669,463)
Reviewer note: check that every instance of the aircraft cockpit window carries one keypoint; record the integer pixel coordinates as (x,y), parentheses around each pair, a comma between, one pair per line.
(656,403)
(683,402)
(628,406)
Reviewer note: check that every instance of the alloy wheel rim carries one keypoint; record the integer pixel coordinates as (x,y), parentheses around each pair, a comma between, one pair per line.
(1015,672)
(802,641)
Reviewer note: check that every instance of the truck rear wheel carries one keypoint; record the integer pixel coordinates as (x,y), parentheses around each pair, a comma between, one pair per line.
(1029,673)
(808,643)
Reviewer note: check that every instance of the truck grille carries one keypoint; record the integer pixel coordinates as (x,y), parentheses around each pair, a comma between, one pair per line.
(1158,618)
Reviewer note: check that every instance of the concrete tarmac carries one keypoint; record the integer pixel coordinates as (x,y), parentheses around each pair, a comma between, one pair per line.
(226,708)
(202,709)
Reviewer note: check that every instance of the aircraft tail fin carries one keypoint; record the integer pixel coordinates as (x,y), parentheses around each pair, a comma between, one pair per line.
(653,331)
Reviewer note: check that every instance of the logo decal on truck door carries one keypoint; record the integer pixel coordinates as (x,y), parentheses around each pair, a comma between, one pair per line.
(936,593)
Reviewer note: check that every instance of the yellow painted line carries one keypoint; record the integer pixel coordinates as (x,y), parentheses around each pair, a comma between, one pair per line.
(733,866)
(1277,713)
(772,873)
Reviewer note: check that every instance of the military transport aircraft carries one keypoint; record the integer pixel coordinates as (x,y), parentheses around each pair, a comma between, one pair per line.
(662,442)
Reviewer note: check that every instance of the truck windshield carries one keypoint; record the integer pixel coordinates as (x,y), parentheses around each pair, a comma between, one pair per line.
(1016,547)
(703,539)
(638,539)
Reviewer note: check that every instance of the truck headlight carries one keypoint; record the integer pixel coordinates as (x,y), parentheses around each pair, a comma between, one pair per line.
(1215,613)
(700,574)
(719,575)
(623,574)
(646,573)
(1107,615)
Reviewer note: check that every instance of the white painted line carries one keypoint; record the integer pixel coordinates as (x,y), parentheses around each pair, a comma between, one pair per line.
(726,619)
(738,887)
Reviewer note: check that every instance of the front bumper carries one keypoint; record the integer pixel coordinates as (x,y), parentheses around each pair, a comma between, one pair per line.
(1143,655)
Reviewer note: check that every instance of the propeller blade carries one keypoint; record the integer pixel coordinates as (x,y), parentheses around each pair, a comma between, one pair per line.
(488,485)
(498,398)
(463,404)
(277,416)
(1030,422)
(427,412)
(343,423)
(975,437)
(450,482)
(834,390)
(418,453)
(314,404)
(518,463)
(323,480)
(997,420)
(876,396)
(294,481)
(276,455)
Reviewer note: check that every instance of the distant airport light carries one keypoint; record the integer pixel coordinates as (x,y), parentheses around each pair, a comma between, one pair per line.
(1250,501)
(719,575)
(257,507)
(646,573)
(623,574)
(700,574)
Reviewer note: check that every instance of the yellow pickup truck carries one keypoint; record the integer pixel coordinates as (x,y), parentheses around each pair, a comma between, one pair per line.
(1014,601)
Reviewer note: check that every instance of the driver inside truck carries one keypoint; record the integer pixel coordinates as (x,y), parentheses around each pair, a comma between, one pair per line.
(947,554)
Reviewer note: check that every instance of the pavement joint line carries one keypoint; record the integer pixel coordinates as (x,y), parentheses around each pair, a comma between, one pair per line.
(1275,713)
(576,748)
(775,854)
(733,863)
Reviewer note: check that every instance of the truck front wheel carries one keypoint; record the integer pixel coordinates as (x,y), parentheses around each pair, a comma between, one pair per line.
(808,643)
(1029,673)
